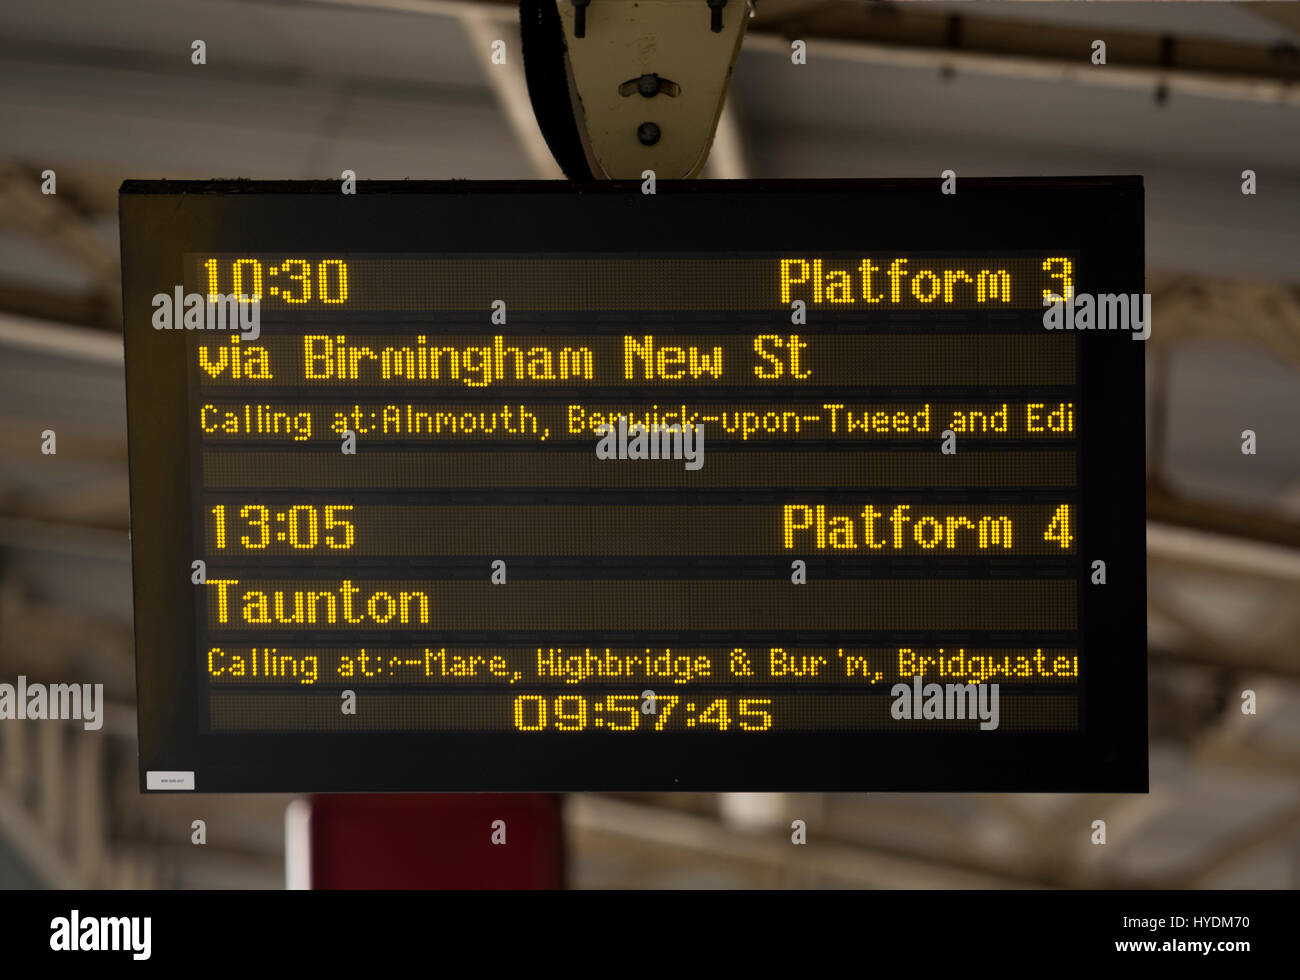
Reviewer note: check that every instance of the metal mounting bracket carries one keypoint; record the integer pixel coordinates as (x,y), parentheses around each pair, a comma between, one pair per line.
(647,80)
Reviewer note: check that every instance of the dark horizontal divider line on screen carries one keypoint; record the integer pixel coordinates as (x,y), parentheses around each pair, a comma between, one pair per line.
(685,323)
(653,498)
(493,639)
(733,448)
(307,470)
(333,392)
(584,447)
(709,636)
(372,444)
(658,568)
(537,566)
(766,686)
(656,496)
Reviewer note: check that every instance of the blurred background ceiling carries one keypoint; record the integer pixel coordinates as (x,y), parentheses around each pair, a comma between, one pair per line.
(1192,95)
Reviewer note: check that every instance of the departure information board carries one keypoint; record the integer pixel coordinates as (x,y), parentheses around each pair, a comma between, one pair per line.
(732,486)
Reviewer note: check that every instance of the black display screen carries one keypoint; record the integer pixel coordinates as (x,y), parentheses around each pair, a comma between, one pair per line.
(735,486)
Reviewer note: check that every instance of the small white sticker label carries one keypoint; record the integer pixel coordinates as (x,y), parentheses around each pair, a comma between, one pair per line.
(167,779)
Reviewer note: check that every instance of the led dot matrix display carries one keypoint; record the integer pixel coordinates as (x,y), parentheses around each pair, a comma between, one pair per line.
(742,486)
